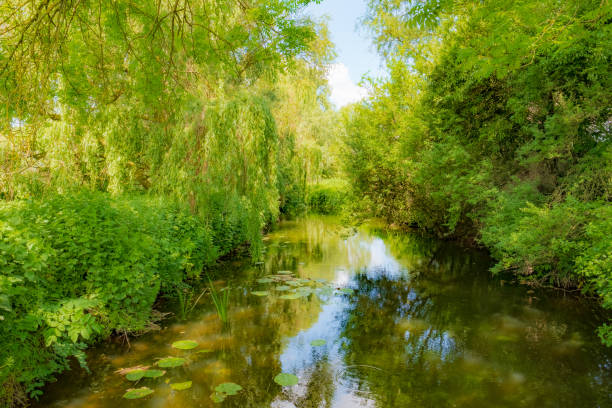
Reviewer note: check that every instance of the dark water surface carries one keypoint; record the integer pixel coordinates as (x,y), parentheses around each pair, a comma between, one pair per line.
(425,326)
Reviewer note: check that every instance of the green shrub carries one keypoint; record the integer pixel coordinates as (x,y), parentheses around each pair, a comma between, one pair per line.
(74,268)
(327,196)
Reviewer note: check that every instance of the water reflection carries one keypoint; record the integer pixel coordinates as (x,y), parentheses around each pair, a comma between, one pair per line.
(426,326)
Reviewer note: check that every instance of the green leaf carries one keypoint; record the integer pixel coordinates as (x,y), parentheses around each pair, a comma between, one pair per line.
(260,293)
(318,343)
(228,388)
(181,386)
(265,280)
(154,373)
(171,362)
(285,273)
(283,288)
(286,380)
(135,375)
(185,344)
(137,393)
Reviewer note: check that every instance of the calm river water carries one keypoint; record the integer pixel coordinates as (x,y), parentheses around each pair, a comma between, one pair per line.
(401,321)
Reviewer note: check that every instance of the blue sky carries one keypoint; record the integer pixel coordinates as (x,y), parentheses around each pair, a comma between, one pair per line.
(356,54)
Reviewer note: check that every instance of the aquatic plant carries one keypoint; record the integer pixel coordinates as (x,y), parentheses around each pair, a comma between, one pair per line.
(171,362)
(220,300)
(224,390)
(185,344)
(286,380)
(137,393)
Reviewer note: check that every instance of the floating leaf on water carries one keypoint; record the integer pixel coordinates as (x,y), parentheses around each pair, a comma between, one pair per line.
(283,288)
(260,293)
(171,362)
(348,291)
(285,273)
(181,386)
(294,283)
(228,388)
(286,380)
(185,344)
(217,397)
(154,373)
(204,351)
(265,280)
(135,375)
(291,296)
(318,343)
(137,393)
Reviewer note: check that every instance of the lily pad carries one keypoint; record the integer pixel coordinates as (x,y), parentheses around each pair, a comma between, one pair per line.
(154,373)
(348,291)
(260,293)
(283,288)
(291,296)
(318,343)
(228,388)
(185,344)
(294,283)
(181,386)
(285,273)
(135,375)
(171,362)
(265,280)
(286,380)
(137,393)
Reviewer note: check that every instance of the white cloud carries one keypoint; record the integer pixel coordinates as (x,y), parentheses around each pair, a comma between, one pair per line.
(343,90)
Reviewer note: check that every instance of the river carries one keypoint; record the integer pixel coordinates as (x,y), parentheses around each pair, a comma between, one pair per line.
(378,319)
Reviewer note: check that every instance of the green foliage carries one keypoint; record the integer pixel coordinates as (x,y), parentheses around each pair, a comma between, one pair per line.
(74,268)
(177,114)
(494,128)
(327,196)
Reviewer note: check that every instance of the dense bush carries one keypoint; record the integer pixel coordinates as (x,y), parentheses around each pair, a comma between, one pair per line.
(494,128)
(327,196)
(75,268)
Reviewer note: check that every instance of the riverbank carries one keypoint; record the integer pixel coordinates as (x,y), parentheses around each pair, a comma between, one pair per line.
(77,268)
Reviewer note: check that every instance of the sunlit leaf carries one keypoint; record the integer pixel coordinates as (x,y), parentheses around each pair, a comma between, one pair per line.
(185,344)
(260,293)
(154,373)
(286,380)
(170,362)
(137,393)
(318,343)
(135,375)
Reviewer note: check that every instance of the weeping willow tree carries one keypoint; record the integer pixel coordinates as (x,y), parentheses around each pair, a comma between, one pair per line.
(168,114)
(158,96)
